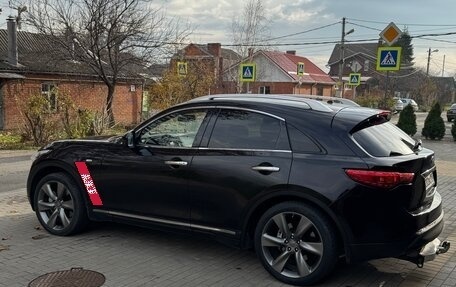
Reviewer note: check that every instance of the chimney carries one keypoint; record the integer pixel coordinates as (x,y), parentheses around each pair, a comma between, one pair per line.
(12,41)
(291,52)
(215,49)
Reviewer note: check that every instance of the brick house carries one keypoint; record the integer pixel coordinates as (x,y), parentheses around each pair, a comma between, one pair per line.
(276,73)
(30,65)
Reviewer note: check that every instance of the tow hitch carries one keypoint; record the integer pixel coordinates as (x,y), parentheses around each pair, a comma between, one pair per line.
(430,250)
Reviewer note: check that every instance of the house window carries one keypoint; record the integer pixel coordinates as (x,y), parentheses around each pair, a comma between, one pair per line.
(264,90)
(49,90)
(366,65)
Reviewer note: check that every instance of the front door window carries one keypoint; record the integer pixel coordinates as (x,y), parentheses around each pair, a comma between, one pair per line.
(174,130)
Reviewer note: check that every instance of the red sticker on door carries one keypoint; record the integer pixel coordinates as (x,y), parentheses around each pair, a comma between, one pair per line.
(88,183)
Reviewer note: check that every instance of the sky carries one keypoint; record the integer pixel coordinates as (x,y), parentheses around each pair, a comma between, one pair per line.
(211,21)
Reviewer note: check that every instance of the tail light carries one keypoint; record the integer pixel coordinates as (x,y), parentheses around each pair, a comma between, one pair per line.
(380,179)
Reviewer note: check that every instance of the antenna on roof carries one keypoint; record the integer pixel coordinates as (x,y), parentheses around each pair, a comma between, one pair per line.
(20,10)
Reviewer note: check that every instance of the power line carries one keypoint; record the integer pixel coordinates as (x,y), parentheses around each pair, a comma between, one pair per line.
(303,32)
(439,40)
(404,24)
(331,42)
(362,26)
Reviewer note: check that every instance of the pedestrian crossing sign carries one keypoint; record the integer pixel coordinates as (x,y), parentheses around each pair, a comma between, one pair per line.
(389,58)
(182,69)
(354,79)
(300,71)
(248,72)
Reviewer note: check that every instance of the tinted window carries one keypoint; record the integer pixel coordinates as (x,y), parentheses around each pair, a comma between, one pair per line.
(384,140)
(300,142)
(175,130)
(245,130)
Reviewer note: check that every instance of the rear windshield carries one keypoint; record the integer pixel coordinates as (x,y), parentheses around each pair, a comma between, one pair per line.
(384,140)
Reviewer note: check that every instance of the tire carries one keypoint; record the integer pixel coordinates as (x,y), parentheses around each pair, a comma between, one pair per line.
(309,238)
(59,205)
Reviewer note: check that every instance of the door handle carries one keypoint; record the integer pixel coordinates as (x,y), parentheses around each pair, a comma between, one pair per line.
(176,162)
(266,168)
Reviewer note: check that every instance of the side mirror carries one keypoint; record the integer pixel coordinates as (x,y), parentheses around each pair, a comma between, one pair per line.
(130,139)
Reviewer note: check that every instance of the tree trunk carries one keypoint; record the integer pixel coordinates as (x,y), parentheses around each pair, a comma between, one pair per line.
(109,101)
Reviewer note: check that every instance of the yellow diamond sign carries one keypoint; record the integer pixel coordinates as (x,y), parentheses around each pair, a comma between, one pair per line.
(391,34)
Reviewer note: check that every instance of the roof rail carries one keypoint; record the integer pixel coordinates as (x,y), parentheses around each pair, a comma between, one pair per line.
(287,99)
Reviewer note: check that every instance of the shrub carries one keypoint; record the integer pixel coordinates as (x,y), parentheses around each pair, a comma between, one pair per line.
(407,120)
(434,126)
(375,101)
(39,124)
(9,141)
(77,123)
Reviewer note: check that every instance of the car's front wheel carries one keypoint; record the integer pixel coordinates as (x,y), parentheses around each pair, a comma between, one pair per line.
(296,243)
(59,205)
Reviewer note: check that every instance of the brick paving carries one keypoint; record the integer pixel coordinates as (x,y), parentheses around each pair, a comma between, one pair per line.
(130,256)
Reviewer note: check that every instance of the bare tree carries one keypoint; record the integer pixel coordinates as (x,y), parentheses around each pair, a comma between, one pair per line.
(110,37)
(248,31)
(251,28)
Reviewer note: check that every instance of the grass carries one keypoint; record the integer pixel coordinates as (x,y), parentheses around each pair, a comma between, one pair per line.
(13,141)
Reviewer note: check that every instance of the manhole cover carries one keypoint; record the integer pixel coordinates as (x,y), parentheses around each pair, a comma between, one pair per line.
(76,277)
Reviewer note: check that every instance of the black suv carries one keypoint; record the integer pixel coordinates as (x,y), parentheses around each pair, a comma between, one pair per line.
(302,182)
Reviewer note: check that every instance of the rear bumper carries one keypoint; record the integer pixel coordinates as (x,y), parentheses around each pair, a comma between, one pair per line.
(428,224)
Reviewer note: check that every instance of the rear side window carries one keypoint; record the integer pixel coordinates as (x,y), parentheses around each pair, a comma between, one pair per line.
(300,142)
(245,130)
(384,140)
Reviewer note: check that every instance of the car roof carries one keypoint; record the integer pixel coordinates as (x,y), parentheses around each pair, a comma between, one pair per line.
(298,101)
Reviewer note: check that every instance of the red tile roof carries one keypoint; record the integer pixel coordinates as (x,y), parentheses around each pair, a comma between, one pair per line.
(288,63)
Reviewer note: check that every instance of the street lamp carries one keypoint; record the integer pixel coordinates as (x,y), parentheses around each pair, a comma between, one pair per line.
(342,56)
(429,59)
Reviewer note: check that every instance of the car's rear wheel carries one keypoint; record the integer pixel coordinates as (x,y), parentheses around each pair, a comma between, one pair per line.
(59,205)
(296,243)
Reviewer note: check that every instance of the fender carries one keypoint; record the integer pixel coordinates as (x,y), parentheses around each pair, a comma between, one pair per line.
(48,166)
(290,193)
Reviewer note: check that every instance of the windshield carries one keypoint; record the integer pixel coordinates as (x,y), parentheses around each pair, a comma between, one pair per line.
(384,140)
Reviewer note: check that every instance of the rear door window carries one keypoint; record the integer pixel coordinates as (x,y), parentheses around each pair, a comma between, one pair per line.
(241,129)
(384,140)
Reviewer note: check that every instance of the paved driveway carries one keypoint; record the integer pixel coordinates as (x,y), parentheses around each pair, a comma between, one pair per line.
(130,256)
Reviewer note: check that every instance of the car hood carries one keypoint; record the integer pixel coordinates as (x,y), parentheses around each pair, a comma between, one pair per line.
(91,139)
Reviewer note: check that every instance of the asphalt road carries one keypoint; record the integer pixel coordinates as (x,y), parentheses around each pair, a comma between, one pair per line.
(14,168)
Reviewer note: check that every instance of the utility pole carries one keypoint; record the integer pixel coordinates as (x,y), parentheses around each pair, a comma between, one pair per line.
(429,59)
(443,67)
(342,57)
(341,60)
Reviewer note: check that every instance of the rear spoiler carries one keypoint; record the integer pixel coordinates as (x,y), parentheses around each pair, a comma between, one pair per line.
(353,119)
(380,118)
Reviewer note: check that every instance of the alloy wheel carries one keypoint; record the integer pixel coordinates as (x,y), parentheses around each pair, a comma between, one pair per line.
(292,245)
(55,205)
